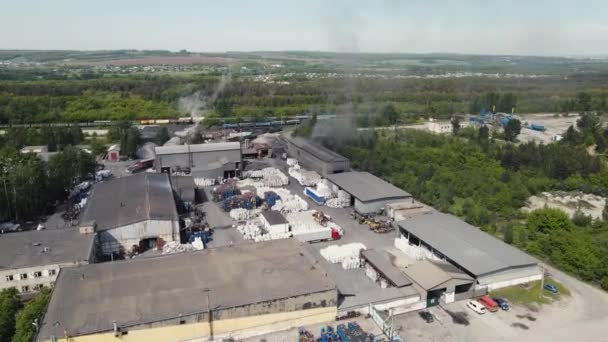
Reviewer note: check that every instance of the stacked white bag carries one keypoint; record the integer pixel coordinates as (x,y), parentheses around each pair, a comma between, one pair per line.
(347,255)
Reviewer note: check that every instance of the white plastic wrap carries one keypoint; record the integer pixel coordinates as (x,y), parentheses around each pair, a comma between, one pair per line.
(173,247)
(290,204)
(341,201)
(240,214)
(347,255)
(269,176)
(201,182)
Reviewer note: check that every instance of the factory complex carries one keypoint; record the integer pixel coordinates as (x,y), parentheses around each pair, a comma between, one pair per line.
(210,244)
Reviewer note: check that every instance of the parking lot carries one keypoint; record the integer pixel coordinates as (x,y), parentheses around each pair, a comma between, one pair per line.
(582,316)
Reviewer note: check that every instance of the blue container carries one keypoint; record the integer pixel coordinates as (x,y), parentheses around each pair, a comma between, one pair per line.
(504,121)
(537,127)
(271,198)
(316,198)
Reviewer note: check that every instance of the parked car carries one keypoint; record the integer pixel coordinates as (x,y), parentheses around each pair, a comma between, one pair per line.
(477,307)
(427,316)
(504,305)
(551,288)
(489,303)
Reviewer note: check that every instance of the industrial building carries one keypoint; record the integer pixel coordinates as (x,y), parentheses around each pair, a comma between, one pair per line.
(211,293)
(370,194)
(274,222)
(492,263)
(131,213)
(314,156)
(440,281)
(185,189)
(210,160)
(32,259)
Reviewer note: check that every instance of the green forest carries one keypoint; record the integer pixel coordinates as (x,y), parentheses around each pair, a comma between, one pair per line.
(487,181)
(114,97)
(16,318)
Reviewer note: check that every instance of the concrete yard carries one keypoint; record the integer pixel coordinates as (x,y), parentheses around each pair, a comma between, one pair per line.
(555,125)
(581,317)
(358,289)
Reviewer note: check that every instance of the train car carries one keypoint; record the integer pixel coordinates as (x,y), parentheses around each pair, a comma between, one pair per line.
(277,123)
(161,121)
(262,124)
(246,124)
(230,125)
(185,120)
(292,122)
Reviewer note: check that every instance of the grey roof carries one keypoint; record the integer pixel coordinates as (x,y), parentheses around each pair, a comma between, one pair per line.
(209,147)
(366,187)
(384,267)
(469,247)
(126,200)
(26,249)
(317,150)
(274,217)
(184,187)
(432,276)
(87,299)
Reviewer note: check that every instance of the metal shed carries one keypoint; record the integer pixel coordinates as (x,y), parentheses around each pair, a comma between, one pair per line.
(210,160)
(313,156)
(371,194)
(492,262)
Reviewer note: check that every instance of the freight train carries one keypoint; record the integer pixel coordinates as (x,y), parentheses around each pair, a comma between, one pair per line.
(276,123)
(102,123)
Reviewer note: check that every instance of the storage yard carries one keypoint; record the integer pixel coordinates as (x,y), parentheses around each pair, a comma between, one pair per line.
(339,244)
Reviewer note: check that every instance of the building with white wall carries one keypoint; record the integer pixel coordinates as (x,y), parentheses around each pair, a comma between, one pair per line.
(131,214)
(491,262)
(274,222)
(30,260)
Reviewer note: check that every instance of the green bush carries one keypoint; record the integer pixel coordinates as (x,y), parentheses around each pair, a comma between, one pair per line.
(32,311)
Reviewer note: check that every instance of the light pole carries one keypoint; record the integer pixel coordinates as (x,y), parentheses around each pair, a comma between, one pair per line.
(209,314)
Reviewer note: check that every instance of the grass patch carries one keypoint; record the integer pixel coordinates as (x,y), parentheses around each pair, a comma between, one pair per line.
(531,294)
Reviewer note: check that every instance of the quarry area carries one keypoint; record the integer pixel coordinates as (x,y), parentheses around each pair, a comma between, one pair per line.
(570,202)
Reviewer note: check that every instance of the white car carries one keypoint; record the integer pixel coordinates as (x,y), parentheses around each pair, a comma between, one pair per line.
(477,307)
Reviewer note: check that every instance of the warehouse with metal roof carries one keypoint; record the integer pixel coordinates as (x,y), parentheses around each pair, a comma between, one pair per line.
(32,259)
(370,194)
(268,285)
(313,156)
(132,213)
(493,263)
(211,160)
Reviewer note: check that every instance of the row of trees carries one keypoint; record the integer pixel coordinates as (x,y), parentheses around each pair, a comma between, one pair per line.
(18,322)
(29,187)
(135,97)
(55,138)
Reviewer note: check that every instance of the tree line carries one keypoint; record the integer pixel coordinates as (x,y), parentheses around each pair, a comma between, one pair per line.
(18,321)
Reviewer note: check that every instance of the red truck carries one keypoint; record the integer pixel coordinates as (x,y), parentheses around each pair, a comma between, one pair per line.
(489,303)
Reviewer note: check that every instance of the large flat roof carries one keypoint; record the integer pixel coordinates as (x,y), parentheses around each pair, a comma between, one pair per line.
(366,187)
(317,150)
(126,200)
(186,148)
(469,247)
(383,266)
(431,276)
(88,299)
(27,249)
